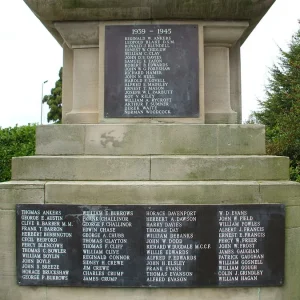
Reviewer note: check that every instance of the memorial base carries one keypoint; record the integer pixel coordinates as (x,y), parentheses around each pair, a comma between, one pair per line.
(82,117)
(221,118)
(149,164)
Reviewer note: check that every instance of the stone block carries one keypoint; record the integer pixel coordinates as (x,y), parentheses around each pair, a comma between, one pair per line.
(292,216)
(185,139)
(286,192)
(79,34)
(118,140)
(144,139)
(268,293)
(60,140)
(151,192)
(292,264)
(8,242)
(20,192)
(149,294)
(81,168)
(219,168)
(147,139)
(9,290)
(241,139)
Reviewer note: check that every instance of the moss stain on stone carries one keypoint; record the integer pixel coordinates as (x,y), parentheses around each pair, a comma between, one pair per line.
(192,176)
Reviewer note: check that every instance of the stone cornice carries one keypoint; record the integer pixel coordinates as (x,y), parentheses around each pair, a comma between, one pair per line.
(51,11)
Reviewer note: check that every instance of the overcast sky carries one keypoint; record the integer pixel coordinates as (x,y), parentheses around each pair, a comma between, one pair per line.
(29,55)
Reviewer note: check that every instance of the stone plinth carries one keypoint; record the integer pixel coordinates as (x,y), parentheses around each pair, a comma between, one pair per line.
(150,164)
(148,192)
(150,139)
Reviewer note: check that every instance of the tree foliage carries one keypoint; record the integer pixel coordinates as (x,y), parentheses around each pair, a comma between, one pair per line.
(280,112)
(54,101)
(16,141)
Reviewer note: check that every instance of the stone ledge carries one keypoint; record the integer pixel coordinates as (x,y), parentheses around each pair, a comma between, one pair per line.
(162,168)
(168,9)
(143,192)
(81,168)
(152,293)
(21,192)
(49,11)
(219,168)
(152,192)
(274,192)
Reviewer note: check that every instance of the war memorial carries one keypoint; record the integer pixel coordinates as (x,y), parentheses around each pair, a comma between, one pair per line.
(151,188)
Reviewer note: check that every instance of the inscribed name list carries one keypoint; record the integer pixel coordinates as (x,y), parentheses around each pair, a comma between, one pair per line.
(153,246)
(151,71)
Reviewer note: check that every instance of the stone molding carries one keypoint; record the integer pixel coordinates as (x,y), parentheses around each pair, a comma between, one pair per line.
(50,11)
(86,34)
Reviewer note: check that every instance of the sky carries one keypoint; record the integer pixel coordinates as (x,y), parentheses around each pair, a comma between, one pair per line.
(29,55)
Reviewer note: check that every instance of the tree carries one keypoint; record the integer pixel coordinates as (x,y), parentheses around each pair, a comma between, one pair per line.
(280,112)
(16,141)
(54,101)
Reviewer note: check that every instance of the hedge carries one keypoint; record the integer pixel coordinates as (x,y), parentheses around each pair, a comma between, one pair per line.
(15,141)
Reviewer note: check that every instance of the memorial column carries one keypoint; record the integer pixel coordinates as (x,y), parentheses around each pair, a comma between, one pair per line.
(235,80)
(81,59)
(67,77)
(217,86)
(85,87)
(221,71)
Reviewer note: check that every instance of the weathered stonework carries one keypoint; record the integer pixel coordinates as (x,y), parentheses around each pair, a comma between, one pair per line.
(154,162)
(79,27)
(49,11)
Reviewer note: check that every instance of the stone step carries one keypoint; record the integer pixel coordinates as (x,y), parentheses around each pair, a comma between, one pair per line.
(152,192)
(81,168)
(192,167)
(189,167)
(176,192)
(150,139)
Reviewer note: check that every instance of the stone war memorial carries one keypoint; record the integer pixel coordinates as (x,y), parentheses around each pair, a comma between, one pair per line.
(151,188)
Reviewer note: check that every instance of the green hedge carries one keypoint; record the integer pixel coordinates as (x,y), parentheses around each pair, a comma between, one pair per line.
(16,141)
